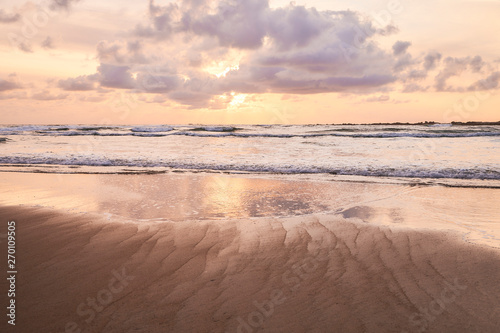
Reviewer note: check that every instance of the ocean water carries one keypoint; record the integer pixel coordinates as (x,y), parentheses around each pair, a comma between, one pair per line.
(454,155)
(374,173)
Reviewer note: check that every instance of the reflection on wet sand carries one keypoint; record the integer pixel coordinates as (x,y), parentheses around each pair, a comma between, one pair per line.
(175,197)
(474,212)
(182,197)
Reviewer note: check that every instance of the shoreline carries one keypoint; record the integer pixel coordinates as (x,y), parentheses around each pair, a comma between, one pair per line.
(272,274)
(312,176)
(178,197)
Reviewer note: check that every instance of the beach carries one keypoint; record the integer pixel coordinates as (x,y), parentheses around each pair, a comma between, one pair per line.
(244,166)
(369,261)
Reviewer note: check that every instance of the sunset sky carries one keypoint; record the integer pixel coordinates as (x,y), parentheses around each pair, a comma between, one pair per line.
(248,61)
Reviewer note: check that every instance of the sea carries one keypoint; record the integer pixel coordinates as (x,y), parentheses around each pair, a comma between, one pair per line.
(423,176)
(454,155)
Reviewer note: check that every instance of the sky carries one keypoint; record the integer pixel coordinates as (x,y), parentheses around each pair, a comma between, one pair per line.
(248,61)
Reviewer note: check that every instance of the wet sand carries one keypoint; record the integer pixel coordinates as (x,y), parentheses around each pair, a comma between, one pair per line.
(312,273)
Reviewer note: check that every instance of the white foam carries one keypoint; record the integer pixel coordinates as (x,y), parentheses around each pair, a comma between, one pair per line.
(389,171)
(152,129)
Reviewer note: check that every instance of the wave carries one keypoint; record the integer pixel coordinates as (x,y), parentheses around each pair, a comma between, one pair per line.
(364,135)
(441,125)
(96,133)
(296,131)
(152,129)
(25,128)
(215,129)
(264,135)
(94,128)
(452,173)
(55,128)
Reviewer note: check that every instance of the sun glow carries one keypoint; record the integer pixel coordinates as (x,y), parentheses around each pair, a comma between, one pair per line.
(238,99)
(227,70)
(221,69)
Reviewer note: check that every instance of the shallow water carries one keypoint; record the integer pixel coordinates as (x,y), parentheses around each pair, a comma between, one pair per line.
(474,212)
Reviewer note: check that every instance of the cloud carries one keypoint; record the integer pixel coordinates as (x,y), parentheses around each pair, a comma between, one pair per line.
(477,64)
(14,95)
(417,74)
(296,26)
(431,60)
(381,98)
(490,82)
(45,95)
(121,52)
(8,85)
(25,47)
(157,83)
(303,53)
(19,42)
(80,83)
(193,99)
(454,67)
(244,24)
(201,53)
(234,23)
(400,47)
(330,84)
(63,4)
(404,61)
(112,76)
(9,18)
(48,43)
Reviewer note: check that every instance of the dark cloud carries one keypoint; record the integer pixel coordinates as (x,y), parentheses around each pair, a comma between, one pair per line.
(162,16)
(63,4)
(110,52)
(80,83)
(9,18)
(403,62)
(296,26)
(193,99)
(295,85)
(157,83)
(244,24)
(20,42)
(490,82)
(455,67)
(25,47)
(238,23)
(112,76)
(431,60)
(121,52)
(477,64)
(8,85)
(48,43)
(400,47)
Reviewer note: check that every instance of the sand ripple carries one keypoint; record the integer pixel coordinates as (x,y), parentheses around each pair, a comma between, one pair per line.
(309,274)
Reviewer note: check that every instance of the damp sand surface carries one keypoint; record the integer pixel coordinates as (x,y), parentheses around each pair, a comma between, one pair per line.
(95,254)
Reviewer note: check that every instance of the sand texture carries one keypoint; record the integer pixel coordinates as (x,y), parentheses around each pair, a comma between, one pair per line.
(316,273)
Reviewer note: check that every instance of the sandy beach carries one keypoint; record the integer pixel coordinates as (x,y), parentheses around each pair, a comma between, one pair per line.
(244,166)
(319,272)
